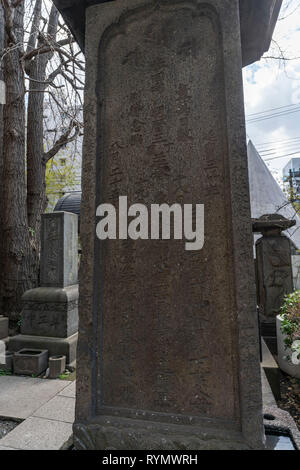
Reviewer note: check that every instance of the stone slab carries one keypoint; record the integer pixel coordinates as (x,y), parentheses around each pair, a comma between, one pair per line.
(59,249)
(50,311)
(267,394)
(38,434)
(59,408)
(55,346)
(20,397)
(69,391)
(179,360)
(271,370)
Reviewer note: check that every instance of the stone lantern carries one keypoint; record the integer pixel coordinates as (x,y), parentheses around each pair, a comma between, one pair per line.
(273,270)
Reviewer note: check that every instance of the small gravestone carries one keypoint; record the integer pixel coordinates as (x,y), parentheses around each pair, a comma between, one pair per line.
(49,317)
(274,273)
(59,250)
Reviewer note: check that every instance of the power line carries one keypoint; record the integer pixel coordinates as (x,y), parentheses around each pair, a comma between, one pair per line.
(273,109)
(281,156)
(287,147)
(272,116)
(277,141)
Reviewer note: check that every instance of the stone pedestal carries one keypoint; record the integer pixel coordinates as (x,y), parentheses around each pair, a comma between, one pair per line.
(168,347)
(274,271)
(50,311)
(49,318)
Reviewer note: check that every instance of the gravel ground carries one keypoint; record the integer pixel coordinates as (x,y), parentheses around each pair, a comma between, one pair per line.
(290,396)
(6,426)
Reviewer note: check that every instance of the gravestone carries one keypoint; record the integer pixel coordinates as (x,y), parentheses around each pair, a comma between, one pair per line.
(168,353)
(274,273)
(49,318)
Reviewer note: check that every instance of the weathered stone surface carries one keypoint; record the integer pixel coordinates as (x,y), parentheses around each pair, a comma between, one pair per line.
(59,249)
(30,361)
(172,335)
(50,311)
(272,224)
(57,365)
(55,346)
(257,17)
(3,327)
(274,268)
(124,434)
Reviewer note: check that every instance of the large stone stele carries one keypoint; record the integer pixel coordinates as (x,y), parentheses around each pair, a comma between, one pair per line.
(168,352)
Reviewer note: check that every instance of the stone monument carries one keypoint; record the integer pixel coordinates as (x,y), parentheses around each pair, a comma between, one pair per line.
(274,273)
(168,353)
(49,318)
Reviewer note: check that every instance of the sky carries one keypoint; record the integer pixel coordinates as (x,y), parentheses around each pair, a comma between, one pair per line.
(272,91)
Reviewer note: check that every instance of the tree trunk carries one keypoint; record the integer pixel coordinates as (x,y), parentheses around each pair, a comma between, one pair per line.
(36,189)
(16,269)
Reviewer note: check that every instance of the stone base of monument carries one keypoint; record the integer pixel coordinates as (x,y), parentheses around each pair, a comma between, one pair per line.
(116,433)
(55,346)
(50,311)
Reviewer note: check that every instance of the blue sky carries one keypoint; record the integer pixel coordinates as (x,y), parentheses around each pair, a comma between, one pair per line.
(270,84)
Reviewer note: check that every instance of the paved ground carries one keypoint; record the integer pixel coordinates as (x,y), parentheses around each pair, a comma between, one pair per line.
(47,408)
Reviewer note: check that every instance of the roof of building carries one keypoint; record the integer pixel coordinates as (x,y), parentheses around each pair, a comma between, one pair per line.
(266,196)
(69,203)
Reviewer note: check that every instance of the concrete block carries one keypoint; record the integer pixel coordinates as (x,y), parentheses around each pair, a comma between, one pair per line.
(26,394)
(57,365)
(271,370)
(69,391)
(59,409)
(56,346)
(30,361)
(38,434)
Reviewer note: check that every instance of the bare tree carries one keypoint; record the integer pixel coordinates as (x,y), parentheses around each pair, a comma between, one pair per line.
(41,65)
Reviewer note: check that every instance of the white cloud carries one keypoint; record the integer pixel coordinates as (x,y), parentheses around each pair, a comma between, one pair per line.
(271,84)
